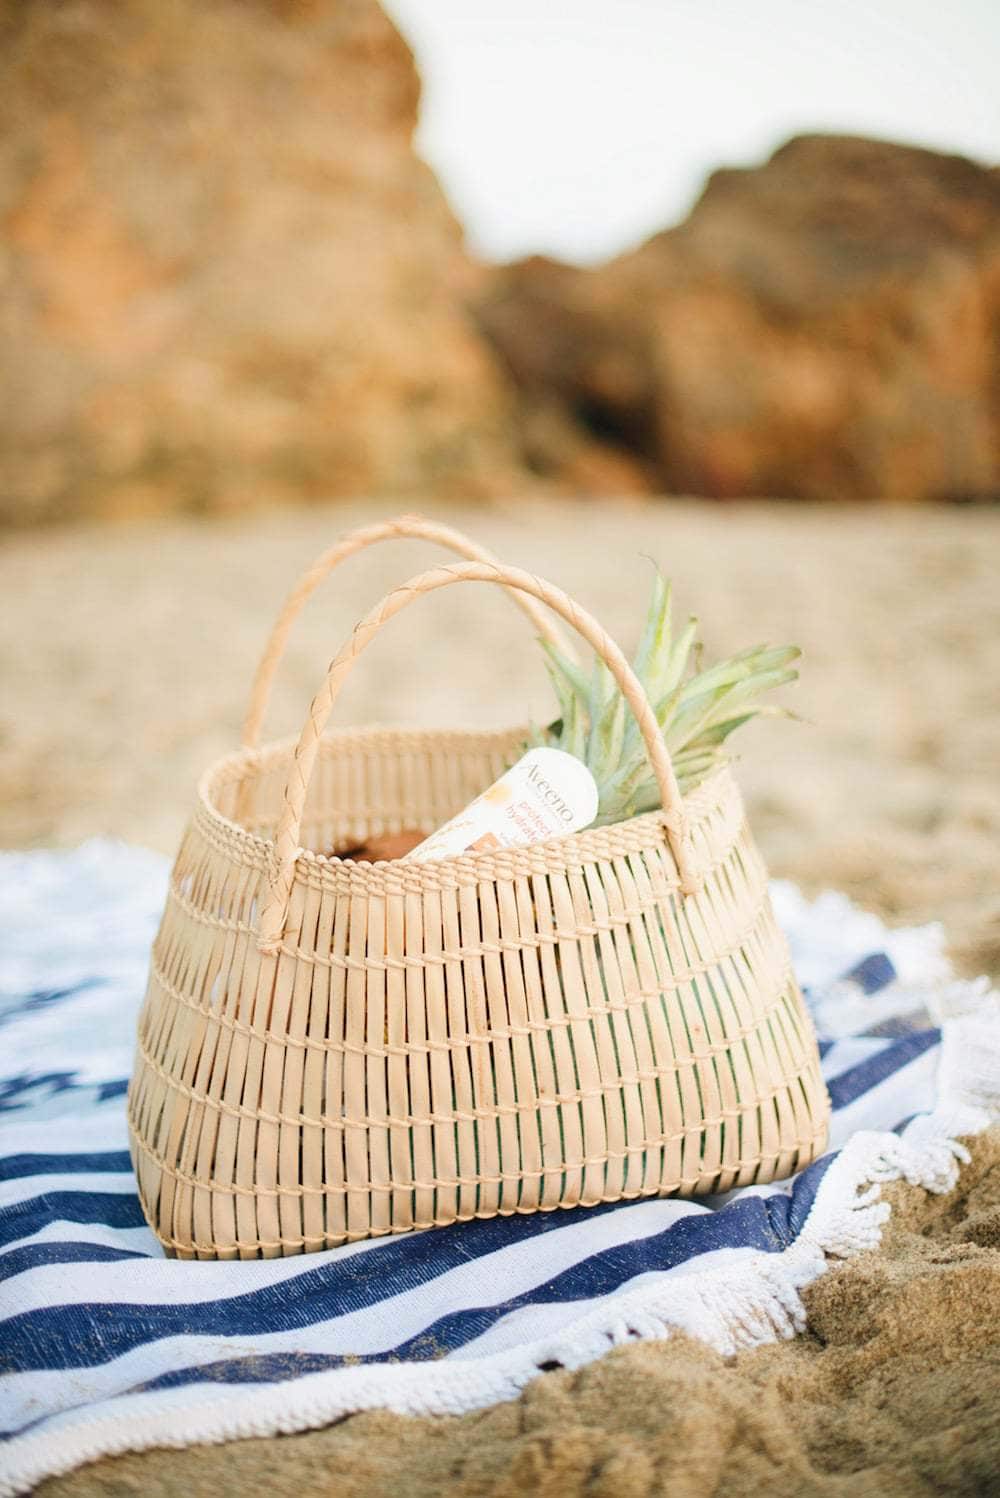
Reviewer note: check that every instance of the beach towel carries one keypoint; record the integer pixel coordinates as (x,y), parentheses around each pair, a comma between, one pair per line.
(106,1345)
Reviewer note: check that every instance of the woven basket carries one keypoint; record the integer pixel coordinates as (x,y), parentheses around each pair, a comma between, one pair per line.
(329,1050)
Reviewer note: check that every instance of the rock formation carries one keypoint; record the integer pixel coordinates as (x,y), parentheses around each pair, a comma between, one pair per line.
(225,275)
(826,326)
(226,278)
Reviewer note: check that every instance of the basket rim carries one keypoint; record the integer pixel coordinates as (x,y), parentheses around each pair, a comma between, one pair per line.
(574,849)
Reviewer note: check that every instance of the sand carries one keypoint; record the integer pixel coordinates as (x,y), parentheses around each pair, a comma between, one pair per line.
(126,659)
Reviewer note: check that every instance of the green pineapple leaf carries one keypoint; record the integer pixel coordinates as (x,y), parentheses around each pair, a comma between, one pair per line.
(697,709)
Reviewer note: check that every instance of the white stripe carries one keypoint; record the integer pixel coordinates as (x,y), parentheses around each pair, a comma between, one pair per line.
(158,1281)
(24,1188)
(86,1134)
(843,1010)
(60,1231)
(908,1090)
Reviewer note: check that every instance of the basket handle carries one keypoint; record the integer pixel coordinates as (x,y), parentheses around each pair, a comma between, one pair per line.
(410,526)
(286,843)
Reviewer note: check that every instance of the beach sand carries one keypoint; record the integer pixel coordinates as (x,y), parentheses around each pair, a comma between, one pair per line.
(127,657)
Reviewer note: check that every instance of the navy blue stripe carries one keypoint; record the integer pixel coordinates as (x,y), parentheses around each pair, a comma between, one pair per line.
(84,1335)
(109,1090)
(849,1085)
(26,1091)
(896,1026)
(15,1090)
(872,973)
(114,1209)
(15,1167)
(43,998)
(33,1255)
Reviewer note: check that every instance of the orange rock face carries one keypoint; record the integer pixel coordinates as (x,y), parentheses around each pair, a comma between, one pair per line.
(226,276)
(228,279)
(827,326)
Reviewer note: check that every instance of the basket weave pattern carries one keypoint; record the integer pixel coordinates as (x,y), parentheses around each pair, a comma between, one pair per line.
(330,1051)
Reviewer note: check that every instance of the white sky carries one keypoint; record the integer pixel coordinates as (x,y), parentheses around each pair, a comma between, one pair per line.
(578,127)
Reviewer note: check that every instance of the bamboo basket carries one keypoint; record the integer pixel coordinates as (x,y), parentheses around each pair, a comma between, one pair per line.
(330,1051)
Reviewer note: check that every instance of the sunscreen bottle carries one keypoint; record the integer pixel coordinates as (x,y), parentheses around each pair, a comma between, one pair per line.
(548,793)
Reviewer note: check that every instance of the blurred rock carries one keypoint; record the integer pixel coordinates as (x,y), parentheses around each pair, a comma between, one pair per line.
(225,275)
(825,326)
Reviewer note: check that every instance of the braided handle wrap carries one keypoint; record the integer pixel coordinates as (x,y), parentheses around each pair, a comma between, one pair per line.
(286,843)
(414,527)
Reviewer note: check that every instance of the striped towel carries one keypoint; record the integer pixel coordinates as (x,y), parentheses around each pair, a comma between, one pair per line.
(106,1345)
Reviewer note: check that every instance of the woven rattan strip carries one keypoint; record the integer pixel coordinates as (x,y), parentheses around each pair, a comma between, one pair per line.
(332,1051)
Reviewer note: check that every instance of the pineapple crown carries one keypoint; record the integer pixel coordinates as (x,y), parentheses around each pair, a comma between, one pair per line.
(696,712)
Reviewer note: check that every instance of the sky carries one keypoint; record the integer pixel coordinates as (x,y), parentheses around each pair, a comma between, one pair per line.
(576,128)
